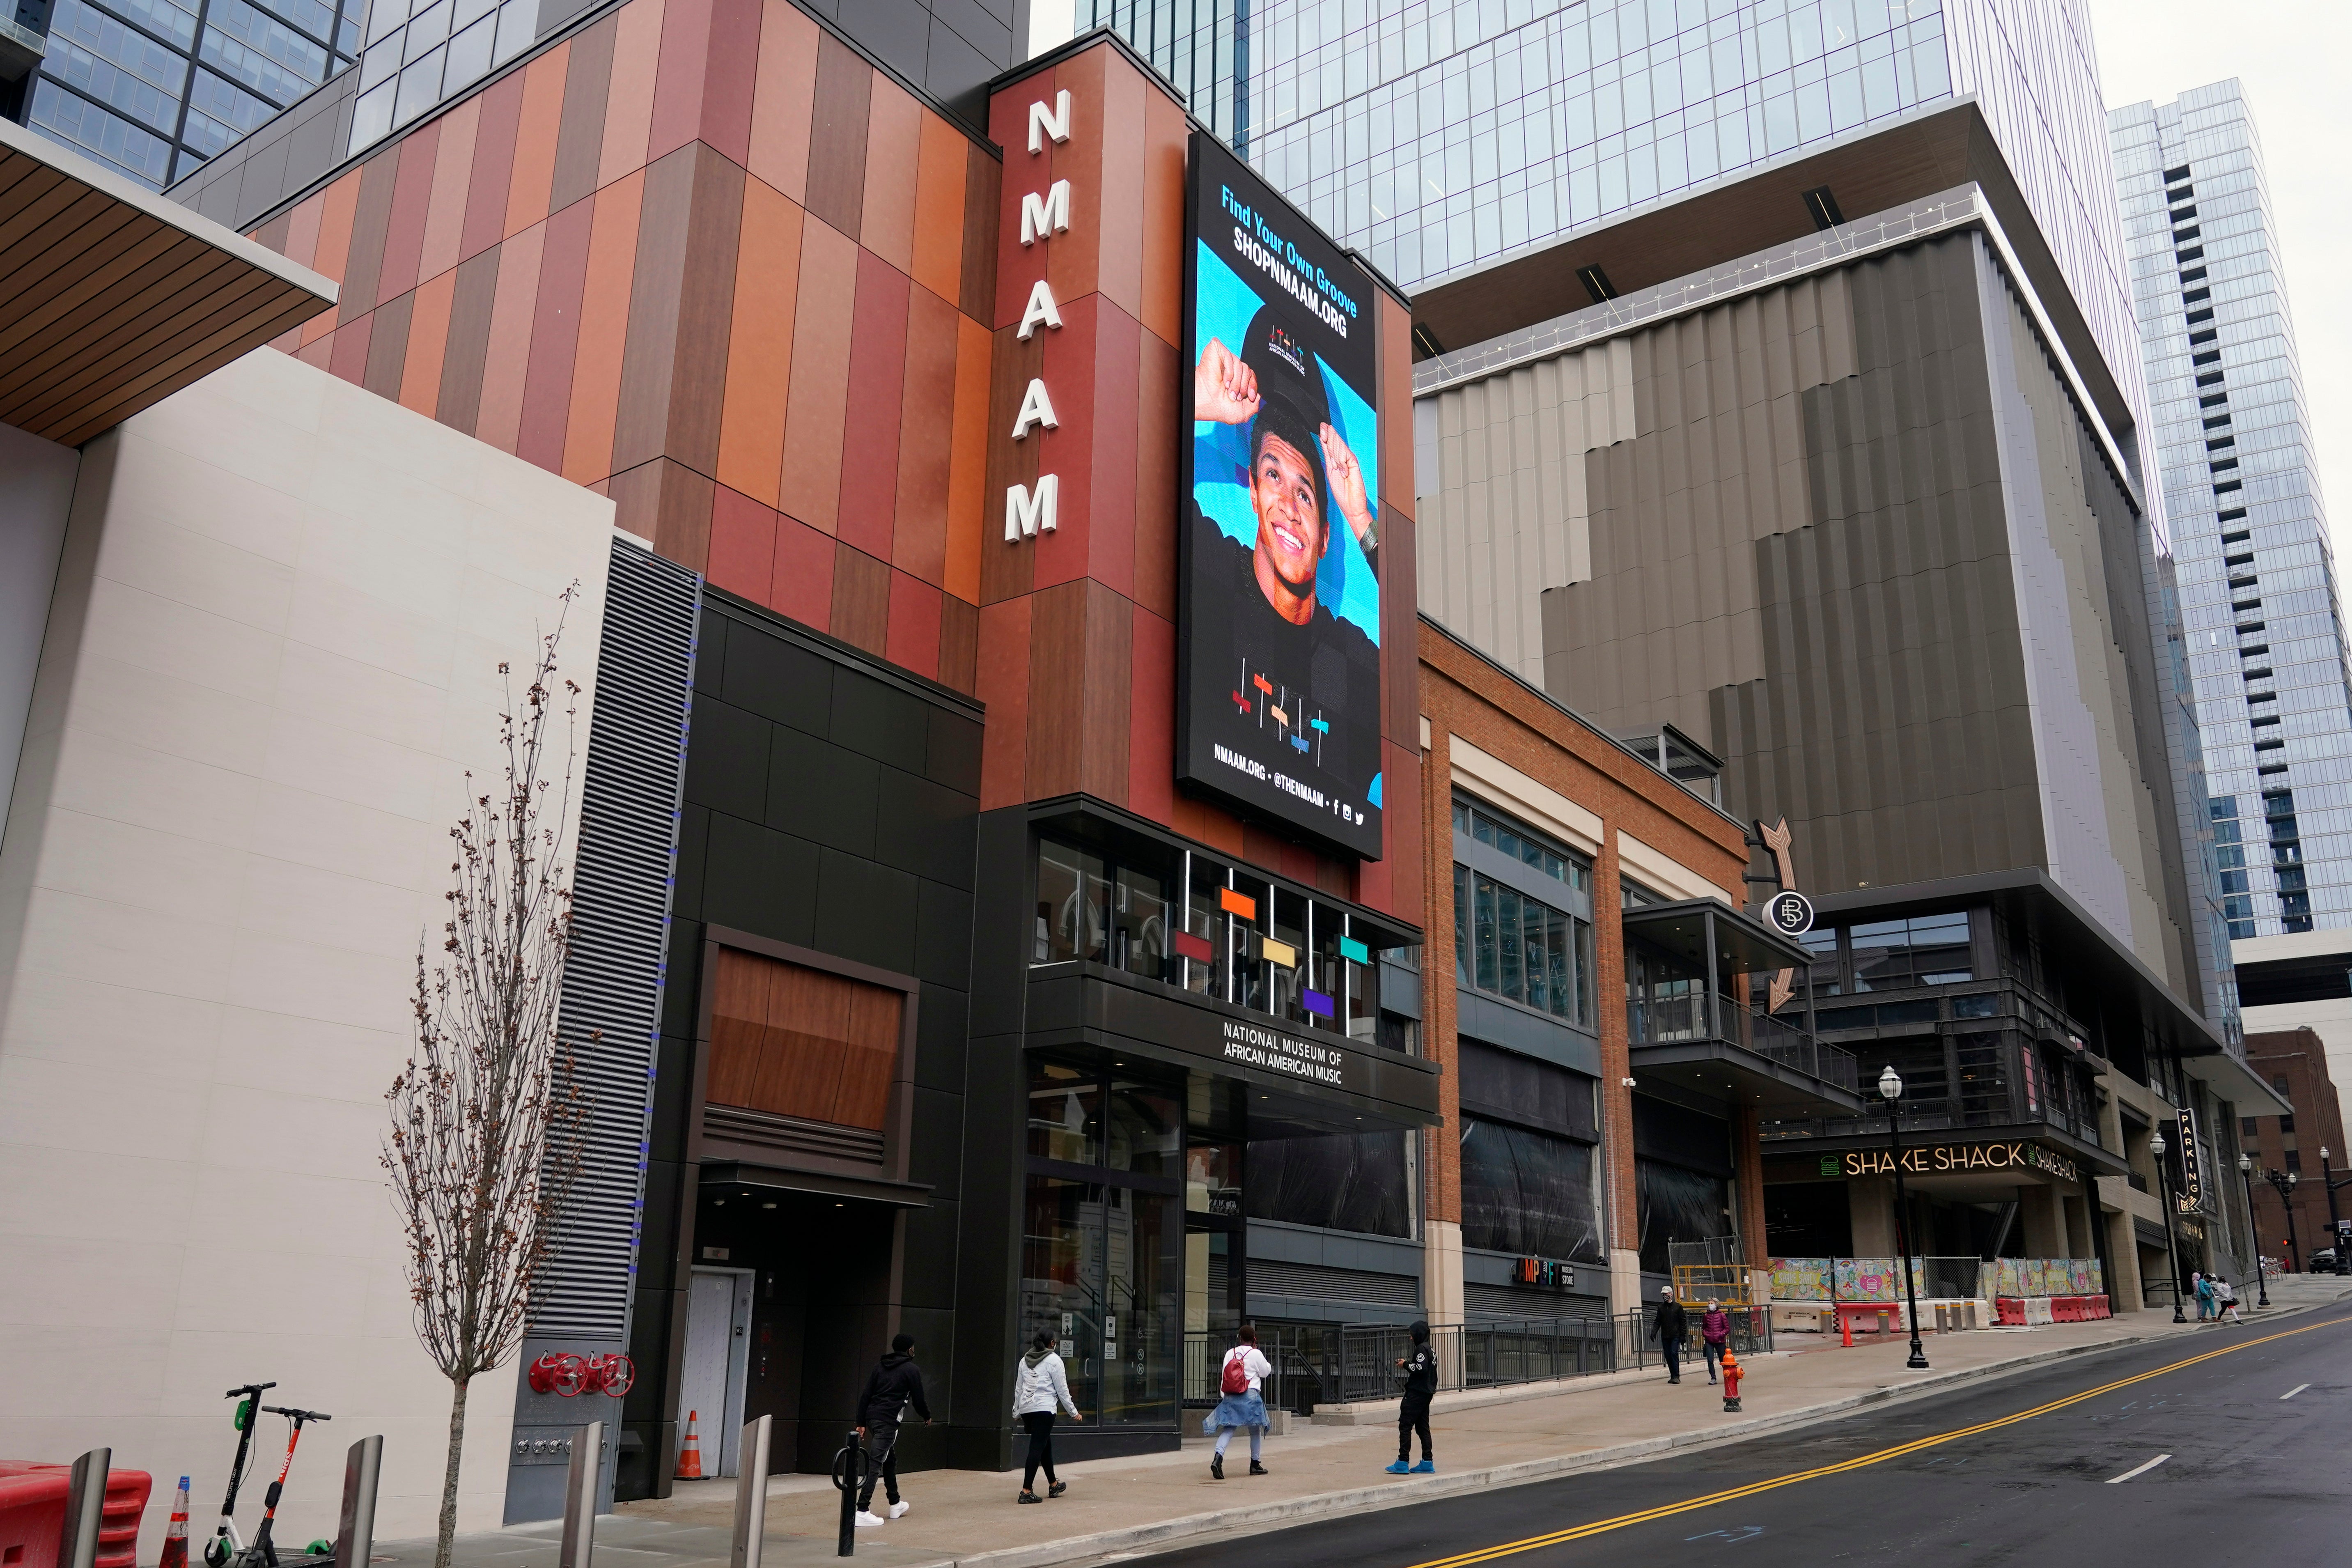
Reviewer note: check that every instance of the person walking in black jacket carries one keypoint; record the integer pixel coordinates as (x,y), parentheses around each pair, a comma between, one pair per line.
(1670,1329)
(1420,1366)
(895,1386)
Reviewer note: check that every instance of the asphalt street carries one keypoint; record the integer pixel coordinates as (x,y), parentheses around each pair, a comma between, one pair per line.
(2239,1452)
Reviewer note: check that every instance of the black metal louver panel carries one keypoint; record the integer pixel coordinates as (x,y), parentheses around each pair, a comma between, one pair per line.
(623,871)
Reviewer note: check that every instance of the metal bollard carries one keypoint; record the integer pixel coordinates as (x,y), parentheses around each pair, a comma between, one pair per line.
(849,1470)
(580,1497)
(84,1509)
(356,1539)
(751,1494)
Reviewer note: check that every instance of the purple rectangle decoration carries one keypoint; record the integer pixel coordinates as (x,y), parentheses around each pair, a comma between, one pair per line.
(1317,1003)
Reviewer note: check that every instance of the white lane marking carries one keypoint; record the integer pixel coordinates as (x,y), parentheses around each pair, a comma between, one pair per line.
(2291,1392)
(2137,1470)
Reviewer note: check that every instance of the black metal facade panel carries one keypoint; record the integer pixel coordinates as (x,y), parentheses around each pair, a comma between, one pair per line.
(622,879)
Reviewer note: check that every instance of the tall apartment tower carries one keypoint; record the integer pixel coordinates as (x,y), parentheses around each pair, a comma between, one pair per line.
(2258,599)
(2264,627)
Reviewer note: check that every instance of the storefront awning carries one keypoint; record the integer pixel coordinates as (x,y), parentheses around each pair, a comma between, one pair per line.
(734,1174)
(1695,927)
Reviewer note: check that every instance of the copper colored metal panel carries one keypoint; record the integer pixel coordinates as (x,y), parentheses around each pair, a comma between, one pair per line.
(803,586)
(507,358)
(679,86)
(918,541)
(1111,690)
(641,430)
(1001,681)
(837,123)
(1071,371)
(1152,718)
(939,178)
(1111,501)
(967,511)
(872,432)
(742,544)
(453,169)
(982,177)
(349,362)
(1058,689)
(580,139)
(914,642)
(603,330)
(810,485)
(1163,155)
(894,136)
(1008,567)
(554,337)
(783,98)
(706,307)
(629,107)
(471,303)
(1159,427)
(959,643)
(732,79)
(371,216)
(429,344)
(535,136)
(861,600)
(494,157)
(412,195)
(387,353)
(760,343)
(1122,182)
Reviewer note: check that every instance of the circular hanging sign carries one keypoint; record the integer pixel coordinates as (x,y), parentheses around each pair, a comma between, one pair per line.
(1790,913)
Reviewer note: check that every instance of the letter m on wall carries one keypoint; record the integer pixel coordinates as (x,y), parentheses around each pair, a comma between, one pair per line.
(1028,514)
(1044,216)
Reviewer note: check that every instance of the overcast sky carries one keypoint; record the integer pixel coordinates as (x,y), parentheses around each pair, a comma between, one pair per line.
(2290,56)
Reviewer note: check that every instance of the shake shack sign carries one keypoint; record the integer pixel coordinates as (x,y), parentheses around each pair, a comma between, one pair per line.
(1292,1055)
(1950,1159)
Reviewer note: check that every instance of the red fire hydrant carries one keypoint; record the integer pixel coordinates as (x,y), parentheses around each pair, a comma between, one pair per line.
(1730,1382)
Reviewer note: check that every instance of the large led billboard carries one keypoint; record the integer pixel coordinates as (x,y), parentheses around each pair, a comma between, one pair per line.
(1278,708)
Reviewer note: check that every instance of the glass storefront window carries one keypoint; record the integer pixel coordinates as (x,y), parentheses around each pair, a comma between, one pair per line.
(1073,905)
(1517,947)
(1064,1114)
(1212,1179)
(1061,1274)
(1361,1182)
(1527,1192)
(1146,1129)
(1139,923)
(1141,1329)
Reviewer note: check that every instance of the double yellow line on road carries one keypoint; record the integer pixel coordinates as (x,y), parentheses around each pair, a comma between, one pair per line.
(1602,1526)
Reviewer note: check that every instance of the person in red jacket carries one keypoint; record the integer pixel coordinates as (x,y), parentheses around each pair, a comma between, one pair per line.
(1715,1336)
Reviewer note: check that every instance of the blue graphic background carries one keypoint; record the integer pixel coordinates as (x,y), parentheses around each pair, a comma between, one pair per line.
(1344,582)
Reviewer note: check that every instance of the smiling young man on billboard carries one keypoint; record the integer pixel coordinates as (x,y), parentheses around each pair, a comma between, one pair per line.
(1281,607)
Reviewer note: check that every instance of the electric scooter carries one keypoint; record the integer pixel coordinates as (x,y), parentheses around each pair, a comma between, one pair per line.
(226,1543)
(264,1552)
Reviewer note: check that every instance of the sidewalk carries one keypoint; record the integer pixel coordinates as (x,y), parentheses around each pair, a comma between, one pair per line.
(1127,1507)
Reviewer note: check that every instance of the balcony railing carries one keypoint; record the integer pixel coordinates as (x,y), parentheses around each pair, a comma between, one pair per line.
(1699,1016)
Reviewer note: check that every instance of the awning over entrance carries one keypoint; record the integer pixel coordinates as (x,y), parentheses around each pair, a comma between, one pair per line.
(772,1178)
(1300,1080)
(1707,930)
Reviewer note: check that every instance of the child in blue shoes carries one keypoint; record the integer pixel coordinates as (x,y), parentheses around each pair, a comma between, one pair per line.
(1419,1369)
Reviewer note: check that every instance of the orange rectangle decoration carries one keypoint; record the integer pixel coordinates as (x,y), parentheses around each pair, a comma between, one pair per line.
(428,339)
(1235,903)
(760,343)
(603,330)
(783,99)
(967,462)
(629,101)
(534,156)
(939,208)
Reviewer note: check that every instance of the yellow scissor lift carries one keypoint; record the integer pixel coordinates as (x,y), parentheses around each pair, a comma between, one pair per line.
(1724,1282)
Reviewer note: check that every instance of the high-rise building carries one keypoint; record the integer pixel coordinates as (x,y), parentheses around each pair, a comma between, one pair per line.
(2258,599)
(153,89)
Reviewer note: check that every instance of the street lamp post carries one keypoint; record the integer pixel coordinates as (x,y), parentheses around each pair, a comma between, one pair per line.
(2284,1182)
(2262,1275)
(1890,1088)
(2172,1243)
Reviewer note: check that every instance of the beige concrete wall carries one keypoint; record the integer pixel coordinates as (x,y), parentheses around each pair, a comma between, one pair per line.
(270,660)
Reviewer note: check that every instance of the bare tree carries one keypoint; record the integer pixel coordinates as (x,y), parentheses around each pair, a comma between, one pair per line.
(487,1116)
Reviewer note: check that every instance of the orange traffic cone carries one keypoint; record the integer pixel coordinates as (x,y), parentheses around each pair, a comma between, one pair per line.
(690,1453)
(175,1539)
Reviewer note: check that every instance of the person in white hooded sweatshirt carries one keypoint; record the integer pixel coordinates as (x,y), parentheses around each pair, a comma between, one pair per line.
(1041,1386)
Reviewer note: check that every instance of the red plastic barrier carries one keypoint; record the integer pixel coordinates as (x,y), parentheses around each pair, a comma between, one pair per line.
(2008,1311)
(33,1510)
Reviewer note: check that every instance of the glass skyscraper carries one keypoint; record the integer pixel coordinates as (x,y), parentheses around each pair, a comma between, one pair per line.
(154,88)
(2266,633)
(1442,138)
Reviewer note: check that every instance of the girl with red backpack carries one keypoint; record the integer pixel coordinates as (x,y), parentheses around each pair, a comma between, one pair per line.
(1246,1370)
